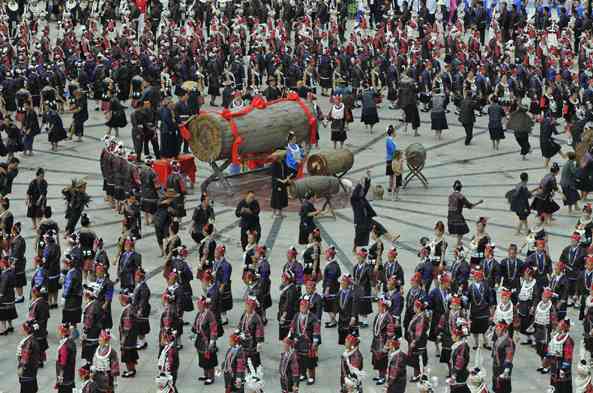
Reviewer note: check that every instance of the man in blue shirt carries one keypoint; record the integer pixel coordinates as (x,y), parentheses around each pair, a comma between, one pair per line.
(390,148)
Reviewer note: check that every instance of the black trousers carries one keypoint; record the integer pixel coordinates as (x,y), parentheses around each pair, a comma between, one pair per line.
(523,141)
(155,147)
(78,127)
(29,386)
(469,133)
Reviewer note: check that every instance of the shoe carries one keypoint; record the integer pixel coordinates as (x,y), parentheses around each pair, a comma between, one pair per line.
(41,365)
(202,378)
(376,378)
(545,370)
(539,369)
(415,379)
(380,382)
(302,378)
(389,190)
(4,333)
(310,381)
(52,306)
(438,355)
(142,346)
(225,322)
(528,342)
(19,300)
(488,347)
(185,323)
(208,381)
(331,324)
(475,347)
(179,347)
(129,374)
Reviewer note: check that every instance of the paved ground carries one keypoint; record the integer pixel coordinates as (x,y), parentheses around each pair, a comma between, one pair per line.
(486,175)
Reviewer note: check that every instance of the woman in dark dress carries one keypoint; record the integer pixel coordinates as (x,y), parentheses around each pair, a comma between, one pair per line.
(369,114)
(584,180)
(495,116)
(543,202)
(7,306)
(280,177)
(56,131)
(336,116)
(519,199)
(455,220)
(307,214)
(37,197)
(568,181)
(548,145)
(116,116)
(479,242)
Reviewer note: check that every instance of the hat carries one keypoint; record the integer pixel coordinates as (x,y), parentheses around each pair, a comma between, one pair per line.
(64,329)
(140,273)
(445,278)
(304,301)
(505,292)
(392,252)
(292,252)
(235,338)
(478,273)
(330,251)
(502,325)
(575,236)
(420,304)
(352,339)
(84,371)
(261,249)
(456,300)
(547,292)
(105,334)
(251,301)
(416,278)
(384,301)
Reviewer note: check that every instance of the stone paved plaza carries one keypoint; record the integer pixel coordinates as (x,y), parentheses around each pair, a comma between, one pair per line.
(486,174)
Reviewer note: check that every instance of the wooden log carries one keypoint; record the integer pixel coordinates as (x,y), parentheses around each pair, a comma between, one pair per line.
(261,131)
(321,186)
(330,162)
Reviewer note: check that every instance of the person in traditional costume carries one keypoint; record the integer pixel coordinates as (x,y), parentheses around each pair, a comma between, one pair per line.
(383,331)
(559,285)
(205,329)
(417,336)
(455,220)
(479,241)
(280,178)
(288,369)
(544,323)
(37,197)
(206,250)
(351,374)
(573,256)
(482,300)
(447,326)
(222,271)
(66,360)
(336,116)
(505,311)
(315,299)
(39,311)
(8,311)
(540,263)
(141,304)
(72,294)
(251,328)
(168,361)
(392,267)
(491,267)
(234,365)
(28,357)
(362,279)
(76,200)
(128,262)
(305,330)
(93,316)
(128,334)
(503,352)
(105,364)
(511,268)
(543,202)
(527,299)
(396,376)
(86,239)
(169,320)
(460,271)
(459,362)
(347,312)
(105,296)
(438,302)
(559,357)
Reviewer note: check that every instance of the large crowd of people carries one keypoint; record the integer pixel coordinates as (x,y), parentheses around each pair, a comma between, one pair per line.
(154,64)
